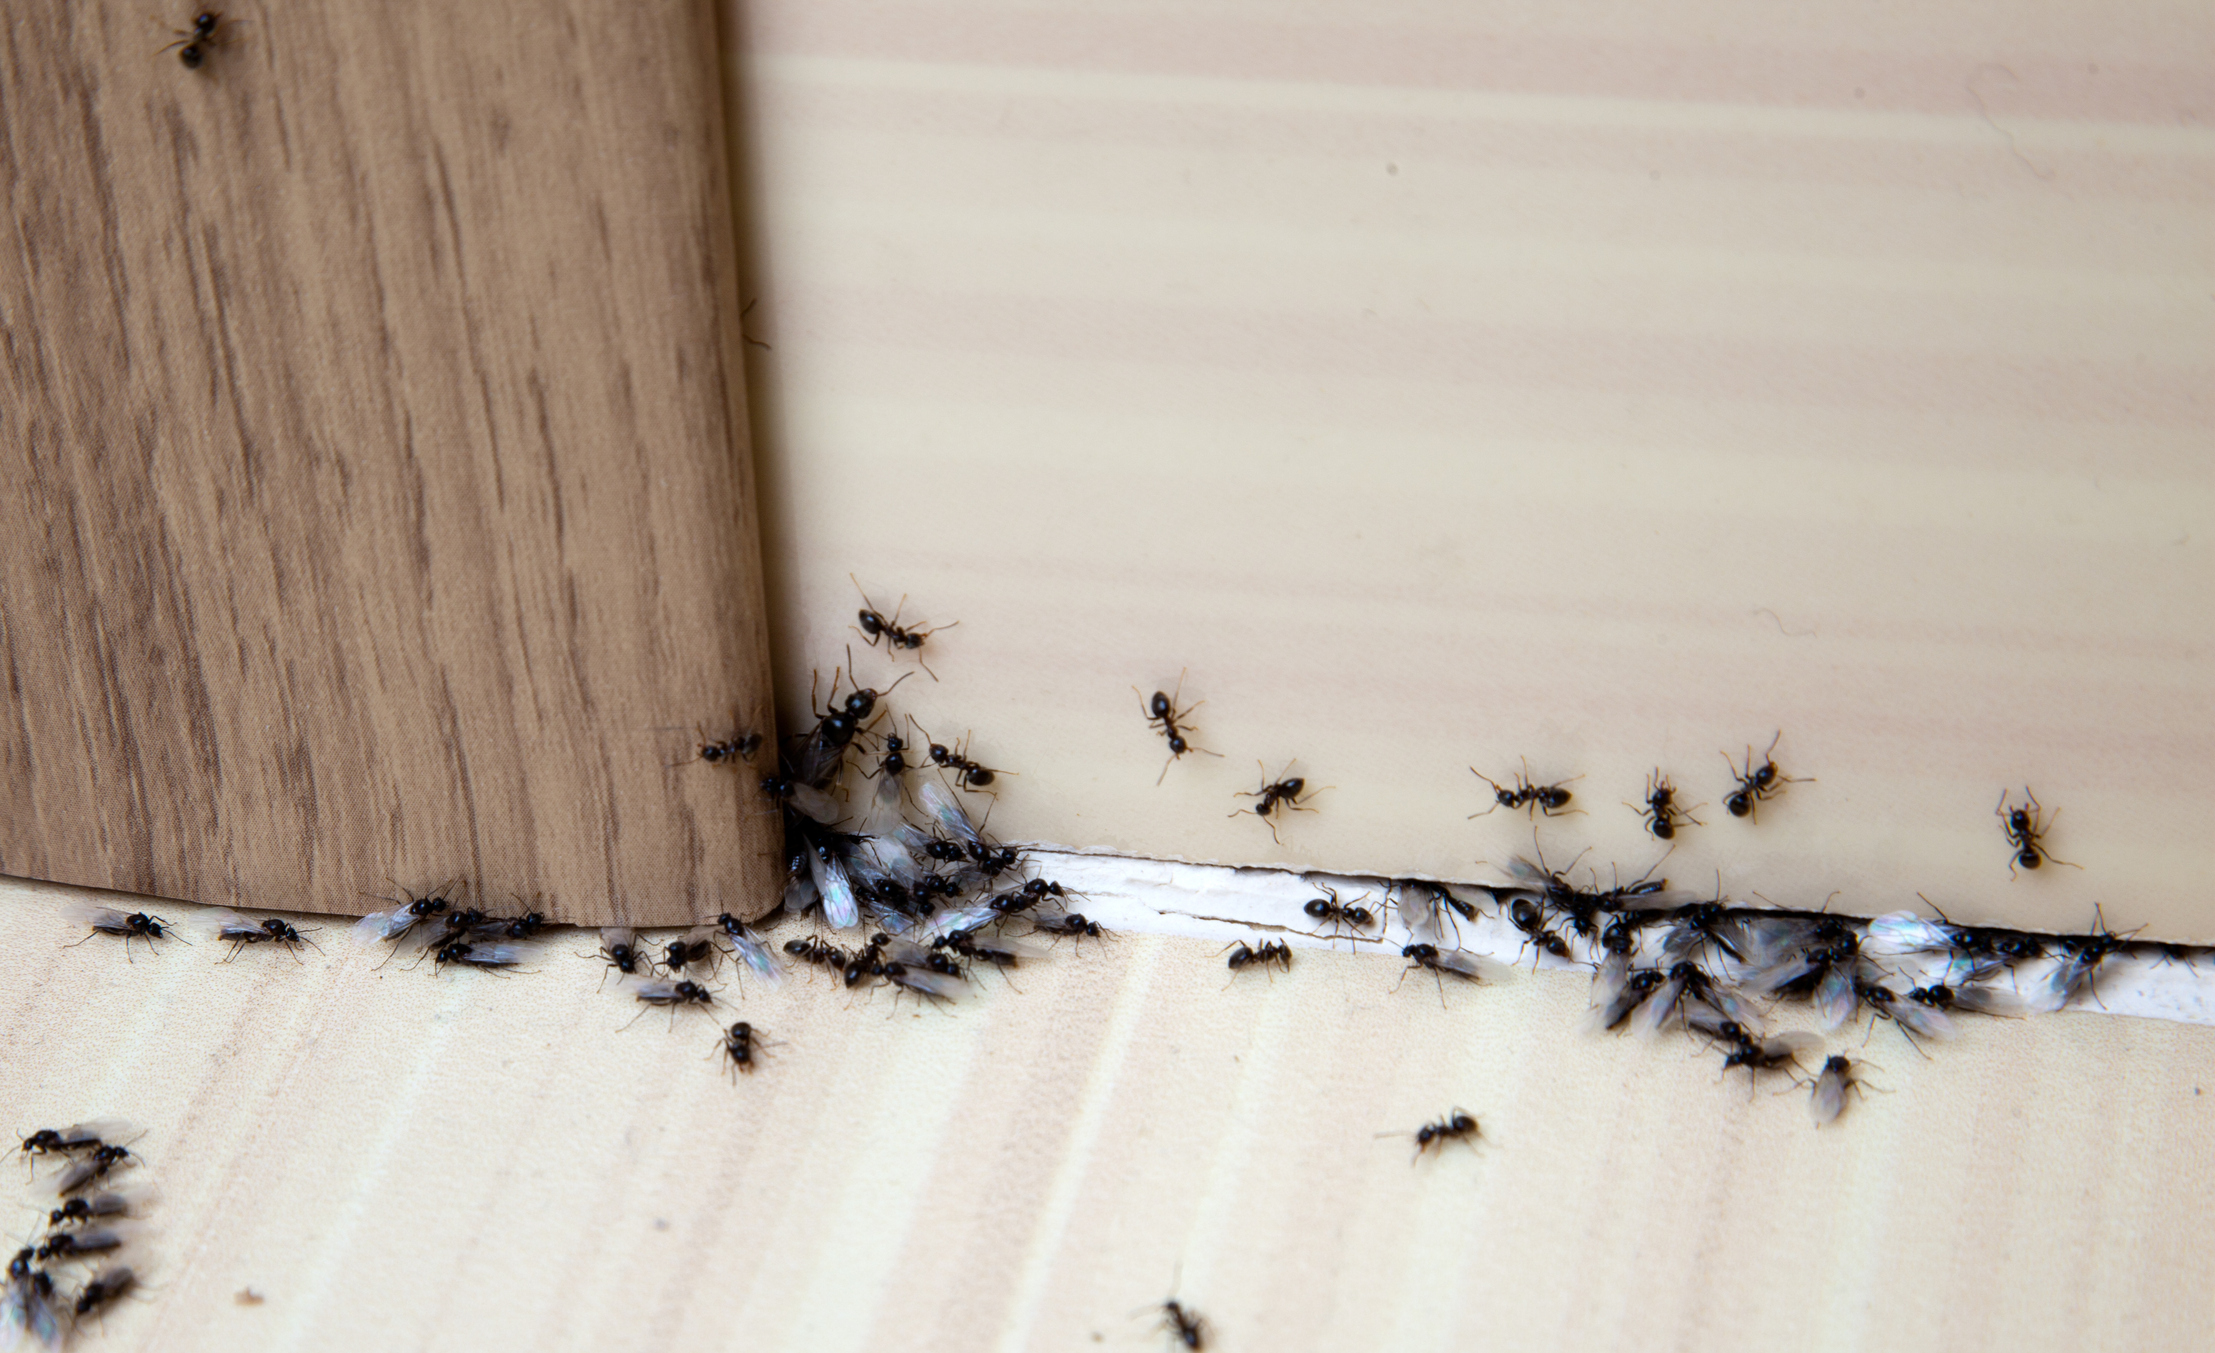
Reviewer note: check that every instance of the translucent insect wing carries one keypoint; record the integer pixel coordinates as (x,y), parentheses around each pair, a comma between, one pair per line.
(939,803)
(1792,1043)
(24,1311)
(1828,1099)
(1903,932)
(753,951)
(1835,999)
(928,983)
(1764,942)
(1461,964)
(97,1131)
(1990,1001)
(1731,1006)
(840,907)
(380,927)
(1654,1014)
(1608,979)
(229,925)
(1779,975)
(107,920)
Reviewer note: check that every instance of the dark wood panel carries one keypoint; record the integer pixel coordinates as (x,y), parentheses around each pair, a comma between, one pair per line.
(375,444)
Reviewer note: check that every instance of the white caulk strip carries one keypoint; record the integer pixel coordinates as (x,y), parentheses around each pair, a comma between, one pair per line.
(1124,893)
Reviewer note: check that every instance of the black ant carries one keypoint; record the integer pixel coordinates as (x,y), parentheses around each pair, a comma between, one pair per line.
(874,626)
(620,948)
(821,954)
(138,925)
(979,949)
(67,1245)
(1770,1054)
(737,1044)
(517,927)
(193,44)
(97,1166)
(1181,1323)
(99,1290)
(1283,793)
(1828,1088)
(687,951)
(1661,811)
(971,775)
(2081,957)
(673,996)
(240,931)
(1073,925)
(1328,909)
(1757,783)
(835,729)
(1162,712)
(85,1209)
(730,751)
(2026,828)
(1441,963)
(1033,892)
(1528,917)
(1262,955)
(1458,1126)
(1552,800)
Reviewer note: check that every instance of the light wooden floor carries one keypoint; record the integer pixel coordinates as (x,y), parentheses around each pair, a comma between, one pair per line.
(458,1161)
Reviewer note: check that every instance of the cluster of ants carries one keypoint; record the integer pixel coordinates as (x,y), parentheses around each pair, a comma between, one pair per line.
(223,924)
(1667,959)
(1275,796)
(1659,806)
(68,1277)
(2024,824)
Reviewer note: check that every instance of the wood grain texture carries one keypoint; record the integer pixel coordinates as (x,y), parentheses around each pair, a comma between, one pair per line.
(382,509)
(1431,387)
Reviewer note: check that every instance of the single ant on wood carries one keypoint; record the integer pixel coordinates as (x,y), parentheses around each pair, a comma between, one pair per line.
(2025,826)
(875,626)
(1285,792)
(1757,783)
(1661,811)
(193,44)
(1552,800)
(1162,713)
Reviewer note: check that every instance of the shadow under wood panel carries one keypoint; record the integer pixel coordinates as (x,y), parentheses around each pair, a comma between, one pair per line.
(381,512)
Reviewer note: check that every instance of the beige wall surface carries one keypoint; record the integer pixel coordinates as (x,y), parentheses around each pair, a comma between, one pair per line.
(1612,385)
(446,1162)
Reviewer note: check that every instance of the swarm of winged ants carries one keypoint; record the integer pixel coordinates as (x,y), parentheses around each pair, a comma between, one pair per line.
(881,844)
(68,1277)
